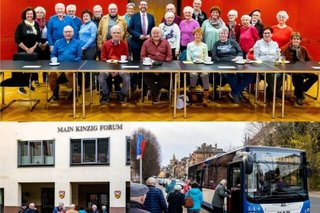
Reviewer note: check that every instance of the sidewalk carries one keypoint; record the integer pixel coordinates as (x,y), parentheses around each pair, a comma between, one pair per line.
(314,194)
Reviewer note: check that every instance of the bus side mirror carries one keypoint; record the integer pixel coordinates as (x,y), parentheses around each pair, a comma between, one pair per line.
(247,160)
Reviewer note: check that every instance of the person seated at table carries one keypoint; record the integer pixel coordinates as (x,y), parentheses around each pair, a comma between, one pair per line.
(198,51)
(65,49)
(294,52)
(266,49)
(157,49)
(226,50)
(114,48)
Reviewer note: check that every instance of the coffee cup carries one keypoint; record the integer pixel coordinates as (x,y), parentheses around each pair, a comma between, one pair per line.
(208,59)
(147,60)
(239,59)
(54,60)
(123,58)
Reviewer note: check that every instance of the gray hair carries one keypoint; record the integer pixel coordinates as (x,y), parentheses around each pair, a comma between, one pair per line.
(233,12)
(131,5)
(71,28)
(97,7)
(59,4)
(223,29)
(40,8)
(188,9)
(223,182)
(116,27)
(169,14)
(70,6)
(282,13)
(151,181)
(246,17)
(112,4)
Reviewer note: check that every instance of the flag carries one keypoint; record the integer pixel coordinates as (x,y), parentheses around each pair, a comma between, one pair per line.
(141,143)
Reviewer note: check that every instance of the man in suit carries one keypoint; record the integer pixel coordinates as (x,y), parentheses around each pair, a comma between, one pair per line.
(140,28)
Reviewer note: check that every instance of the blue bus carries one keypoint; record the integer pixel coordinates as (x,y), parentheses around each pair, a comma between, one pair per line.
(260,179)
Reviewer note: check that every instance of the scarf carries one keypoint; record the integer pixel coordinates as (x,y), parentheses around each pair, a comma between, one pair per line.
(297,53)
(31,25)
(216,24)
(232,32)
(41,22)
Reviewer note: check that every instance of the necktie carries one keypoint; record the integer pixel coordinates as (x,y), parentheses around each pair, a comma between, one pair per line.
(144,30)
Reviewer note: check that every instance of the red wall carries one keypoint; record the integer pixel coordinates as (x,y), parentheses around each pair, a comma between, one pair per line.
(303,16)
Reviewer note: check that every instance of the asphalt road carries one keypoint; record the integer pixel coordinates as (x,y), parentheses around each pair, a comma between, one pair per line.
(315,204)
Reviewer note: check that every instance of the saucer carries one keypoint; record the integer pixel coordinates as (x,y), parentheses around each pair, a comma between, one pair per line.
(123,62)
(54,64)
(147,64)
(239,62)
(112,61)
(208,62)
(197,62)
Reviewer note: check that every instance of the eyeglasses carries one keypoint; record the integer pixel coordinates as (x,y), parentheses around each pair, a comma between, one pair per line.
(266,33)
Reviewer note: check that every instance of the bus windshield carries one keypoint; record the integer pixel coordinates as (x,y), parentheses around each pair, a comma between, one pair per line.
(276,176)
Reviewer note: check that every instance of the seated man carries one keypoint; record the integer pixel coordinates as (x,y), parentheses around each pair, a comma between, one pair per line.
(157,49)
(113,49)
(65,49)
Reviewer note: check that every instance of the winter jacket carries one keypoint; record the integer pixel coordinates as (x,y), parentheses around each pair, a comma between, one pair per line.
(136,207)
(218,197)
(155,202)
(175,200)
(197,198)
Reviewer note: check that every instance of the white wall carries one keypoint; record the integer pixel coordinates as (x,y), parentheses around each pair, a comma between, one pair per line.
(117,173)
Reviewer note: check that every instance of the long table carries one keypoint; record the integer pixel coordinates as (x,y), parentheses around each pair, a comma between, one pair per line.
(175,67)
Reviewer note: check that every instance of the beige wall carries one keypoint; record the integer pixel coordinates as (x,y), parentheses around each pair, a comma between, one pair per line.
(61,174)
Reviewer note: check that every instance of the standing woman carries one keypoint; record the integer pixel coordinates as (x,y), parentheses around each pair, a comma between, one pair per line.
(196,196)
(256,21)
(248,35)
(198,51)
(27,37)
(211,27)
(187,26)
(87,36)
(44,50)
(171,32)
(281,31)
(233,26)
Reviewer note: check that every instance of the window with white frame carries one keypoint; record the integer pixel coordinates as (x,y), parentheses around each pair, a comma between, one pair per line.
(36,152)
(89,151)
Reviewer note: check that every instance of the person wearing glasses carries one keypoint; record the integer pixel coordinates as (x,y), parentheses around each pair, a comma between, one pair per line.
(256,21)
(268,50)
(281,31)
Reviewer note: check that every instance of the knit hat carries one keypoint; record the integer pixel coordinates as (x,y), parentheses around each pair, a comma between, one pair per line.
(177,187)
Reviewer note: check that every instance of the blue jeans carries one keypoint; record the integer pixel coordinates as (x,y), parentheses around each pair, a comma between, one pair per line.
(238,82)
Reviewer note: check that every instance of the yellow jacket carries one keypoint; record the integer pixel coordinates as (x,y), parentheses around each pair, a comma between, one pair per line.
(103,28)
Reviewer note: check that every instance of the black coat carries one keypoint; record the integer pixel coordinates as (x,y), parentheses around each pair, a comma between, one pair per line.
(136,207)
(175,200)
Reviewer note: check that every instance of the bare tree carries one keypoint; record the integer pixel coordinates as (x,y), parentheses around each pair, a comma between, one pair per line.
(252,129)
(152,155)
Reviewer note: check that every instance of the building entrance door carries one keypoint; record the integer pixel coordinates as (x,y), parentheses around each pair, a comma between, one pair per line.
(47,195)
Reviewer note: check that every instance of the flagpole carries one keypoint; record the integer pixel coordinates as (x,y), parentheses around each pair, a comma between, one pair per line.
(140,170)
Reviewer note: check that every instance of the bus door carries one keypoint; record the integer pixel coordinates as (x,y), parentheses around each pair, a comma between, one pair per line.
(235,185)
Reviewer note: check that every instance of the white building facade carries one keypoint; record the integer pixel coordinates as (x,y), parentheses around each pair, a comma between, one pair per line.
(82,163)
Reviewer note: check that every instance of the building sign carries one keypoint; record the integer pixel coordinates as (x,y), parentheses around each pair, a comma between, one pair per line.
(62,194)
(117,194)
(90,128)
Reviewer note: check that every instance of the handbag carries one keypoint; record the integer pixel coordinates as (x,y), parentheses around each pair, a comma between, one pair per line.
(188,202)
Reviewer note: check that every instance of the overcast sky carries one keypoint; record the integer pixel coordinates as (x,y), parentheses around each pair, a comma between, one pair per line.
(182,138)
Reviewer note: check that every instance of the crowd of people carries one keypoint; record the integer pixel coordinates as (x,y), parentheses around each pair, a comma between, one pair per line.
(195,37)
(150,198)
(31,208)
